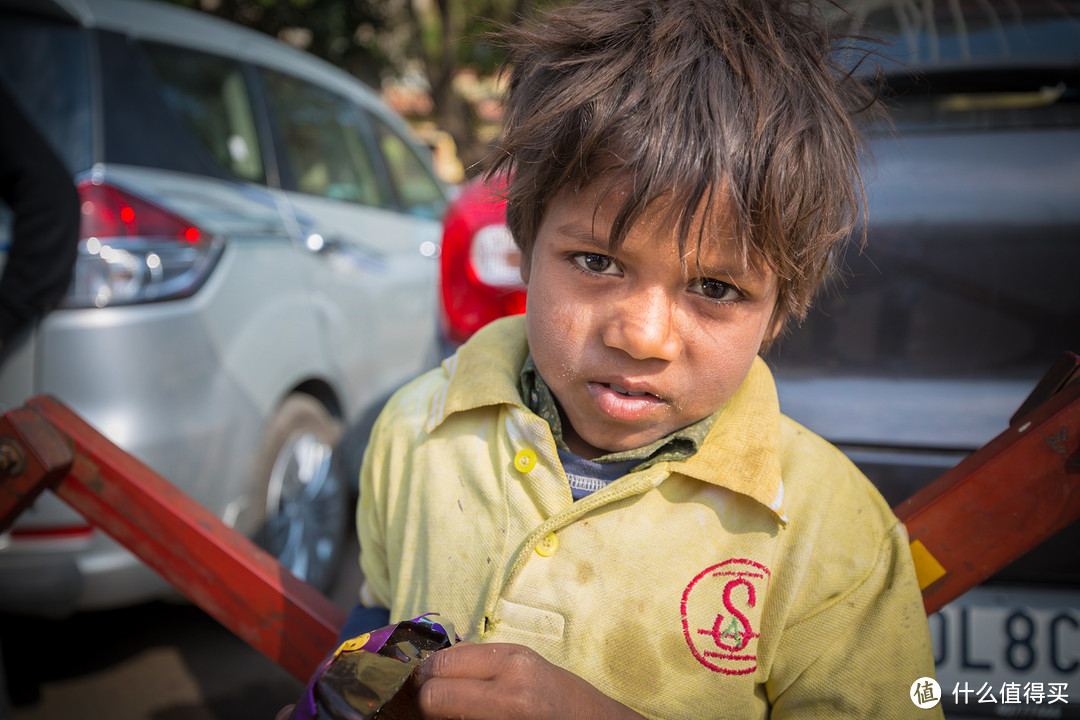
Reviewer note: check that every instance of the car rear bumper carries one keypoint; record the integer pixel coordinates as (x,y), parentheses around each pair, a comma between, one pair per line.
(49,578)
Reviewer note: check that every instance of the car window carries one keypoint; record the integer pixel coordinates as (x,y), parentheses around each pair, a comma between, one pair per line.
(44,65)
(142,127)
(209,93)
(1029,102)
(967,272)
(978,65)
(323,134)
(927,34)
(417,190)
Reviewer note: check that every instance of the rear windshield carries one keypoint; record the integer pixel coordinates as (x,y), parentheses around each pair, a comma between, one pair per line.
(177,109)
(44,64)
(974,64)
(934,36)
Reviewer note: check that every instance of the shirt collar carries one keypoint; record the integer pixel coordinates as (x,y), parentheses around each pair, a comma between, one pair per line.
(484,371)
(741,451)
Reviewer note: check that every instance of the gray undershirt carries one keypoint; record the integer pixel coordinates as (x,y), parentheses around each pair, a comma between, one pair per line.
(587,476)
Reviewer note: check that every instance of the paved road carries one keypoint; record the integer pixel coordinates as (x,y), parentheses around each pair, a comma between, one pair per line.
(160,661)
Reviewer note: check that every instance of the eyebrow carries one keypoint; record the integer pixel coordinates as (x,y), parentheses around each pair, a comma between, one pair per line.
(735,271)
(735,274)
(576,231)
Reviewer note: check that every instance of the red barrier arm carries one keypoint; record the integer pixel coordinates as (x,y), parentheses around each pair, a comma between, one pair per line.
(1003,499)
(217,568)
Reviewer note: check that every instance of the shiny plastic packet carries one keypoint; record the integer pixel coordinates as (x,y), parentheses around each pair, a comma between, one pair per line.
(366,677)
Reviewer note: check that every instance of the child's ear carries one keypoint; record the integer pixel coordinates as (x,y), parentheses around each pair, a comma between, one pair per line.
(776,327)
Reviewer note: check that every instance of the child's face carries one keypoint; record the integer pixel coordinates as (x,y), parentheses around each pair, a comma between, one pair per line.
(638,344)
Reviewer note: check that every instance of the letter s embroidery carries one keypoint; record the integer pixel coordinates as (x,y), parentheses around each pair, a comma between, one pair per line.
(724,641)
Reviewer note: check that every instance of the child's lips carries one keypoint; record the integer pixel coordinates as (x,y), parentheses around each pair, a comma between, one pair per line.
(624,402)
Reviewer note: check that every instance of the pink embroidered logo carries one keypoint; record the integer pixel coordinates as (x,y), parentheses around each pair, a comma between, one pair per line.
(719,610)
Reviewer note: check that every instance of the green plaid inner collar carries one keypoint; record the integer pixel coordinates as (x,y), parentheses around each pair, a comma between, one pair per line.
(679,445)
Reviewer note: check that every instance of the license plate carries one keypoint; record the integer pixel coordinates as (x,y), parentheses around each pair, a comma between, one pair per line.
(1009,653)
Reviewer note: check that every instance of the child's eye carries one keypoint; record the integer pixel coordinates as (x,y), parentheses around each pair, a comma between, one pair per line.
(596,263)
(716,290)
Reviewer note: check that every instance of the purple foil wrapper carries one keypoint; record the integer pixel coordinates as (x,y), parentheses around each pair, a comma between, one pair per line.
(363,676)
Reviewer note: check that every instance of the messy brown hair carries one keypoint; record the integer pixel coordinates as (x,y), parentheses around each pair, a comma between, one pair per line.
(706,101)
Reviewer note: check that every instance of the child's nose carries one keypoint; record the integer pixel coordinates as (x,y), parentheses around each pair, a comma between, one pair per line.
(643,327)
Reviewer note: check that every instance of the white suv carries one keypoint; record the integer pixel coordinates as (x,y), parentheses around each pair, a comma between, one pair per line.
(256,271)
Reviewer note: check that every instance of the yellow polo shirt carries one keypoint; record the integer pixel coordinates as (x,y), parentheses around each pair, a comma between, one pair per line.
(762,577)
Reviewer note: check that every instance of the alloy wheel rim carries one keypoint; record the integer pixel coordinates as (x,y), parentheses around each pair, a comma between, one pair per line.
(302,505)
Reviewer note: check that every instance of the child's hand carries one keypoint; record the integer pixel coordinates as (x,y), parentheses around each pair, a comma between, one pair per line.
(507,682)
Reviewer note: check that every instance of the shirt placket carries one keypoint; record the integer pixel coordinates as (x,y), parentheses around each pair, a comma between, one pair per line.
(533,447)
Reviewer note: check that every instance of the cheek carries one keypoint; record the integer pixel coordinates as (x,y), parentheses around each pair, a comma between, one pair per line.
(716,382)
(556,330)
(543,330)
(721,361)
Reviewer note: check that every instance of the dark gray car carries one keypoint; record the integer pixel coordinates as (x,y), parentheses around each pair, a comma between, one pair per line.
(967,291)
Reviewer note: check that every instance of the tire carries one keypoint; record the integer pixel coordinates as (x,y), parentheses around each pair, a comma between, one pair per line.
(306,500)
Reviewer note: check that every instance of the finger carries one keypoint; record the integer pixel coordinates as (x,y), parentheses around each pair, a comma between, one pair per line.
(465,660)
(459,698)
(284,713)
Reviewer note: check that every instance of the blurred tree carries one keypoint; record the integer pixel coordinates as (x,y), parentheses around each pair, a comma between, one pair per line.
(420,42)
(446,36)
(341,31)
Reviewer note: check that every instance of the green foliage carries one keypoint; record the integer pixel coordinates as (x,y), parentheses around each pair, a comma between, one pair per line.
(391,36)
(331,29)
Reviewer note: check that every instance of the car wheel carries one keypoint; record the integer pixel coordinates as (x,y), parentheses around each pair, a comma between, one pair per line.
(306,500)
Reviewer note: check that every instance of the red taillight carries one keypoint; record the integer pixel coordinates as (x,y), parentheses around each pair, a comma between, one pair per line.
(134,250)
(469,303)
(108,212)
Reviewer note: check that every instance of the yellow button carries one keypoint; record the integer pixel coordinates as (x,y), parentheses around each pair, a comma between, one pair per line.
(548,545)
(525,460)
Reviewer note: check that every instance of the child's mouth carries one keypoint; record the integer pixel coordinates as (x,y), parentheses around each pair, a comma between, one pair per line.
(624,391)
(621,403)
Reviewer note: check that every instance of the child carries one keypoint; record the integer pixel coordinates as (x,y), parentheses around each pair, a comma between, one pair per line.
(603,496)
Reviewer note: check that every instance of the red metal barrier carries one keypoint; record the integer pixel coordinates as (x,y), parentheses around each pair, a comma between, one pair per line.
(1003,499)
(48,446)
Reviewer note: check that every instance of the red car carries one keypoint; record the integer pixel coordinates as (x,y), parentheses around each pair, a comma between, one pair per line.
(481,265)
